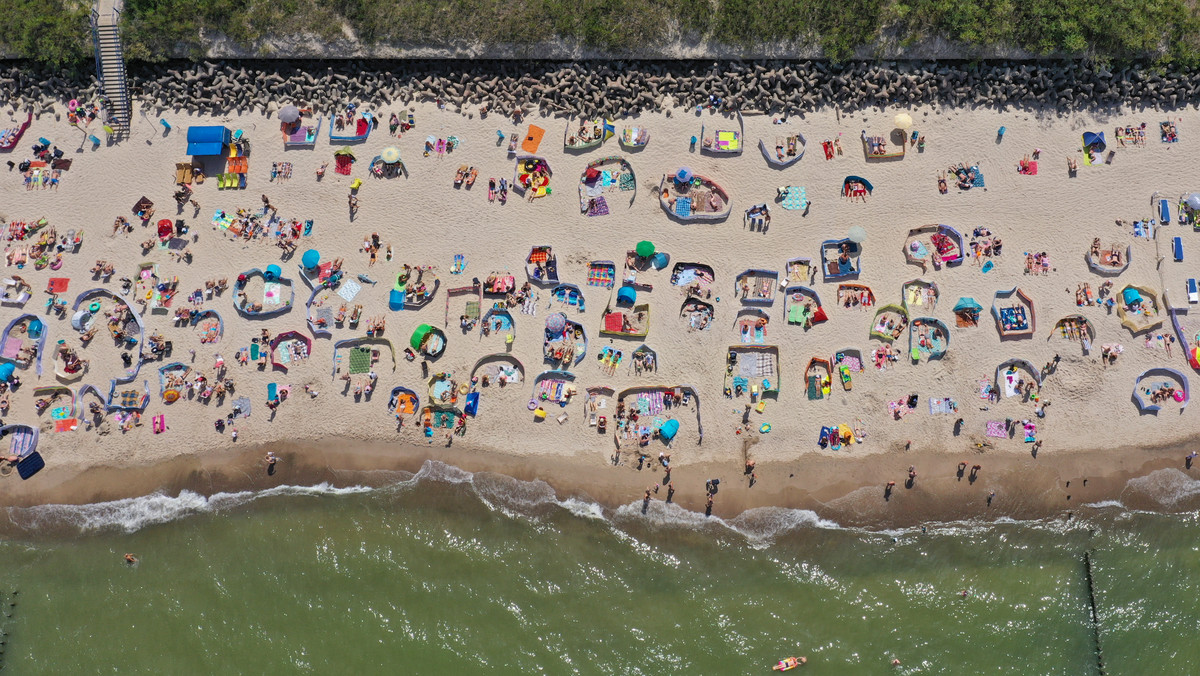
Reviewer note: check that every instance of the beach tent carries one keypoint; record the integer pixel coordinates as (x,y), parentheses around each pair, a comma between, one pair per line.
(669,429)
(627,294)
(6,371)
(273,273)
(208,140)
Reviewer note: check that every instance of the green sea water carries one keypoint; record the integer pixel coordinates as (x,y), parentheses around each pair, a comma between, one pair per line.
(448,572)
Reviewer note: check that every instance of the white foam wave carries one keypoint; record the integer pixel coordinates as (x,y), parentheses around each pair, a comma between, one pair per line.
(1167,487)
(132,514)
(1106,504)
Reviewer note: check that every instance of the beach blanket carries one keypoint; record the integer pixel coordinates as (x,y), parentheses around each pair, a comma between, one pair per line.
(529,307)
(360,360)
(342,164)
(222,220)
(995,428)
(242,404)
(601,275)
(349,290)
(945,405)
(852,363)
(683,207)
(129,399)
(796,198)
(978,182)
(599,207)
(985,388)
(627,182)
(271,293)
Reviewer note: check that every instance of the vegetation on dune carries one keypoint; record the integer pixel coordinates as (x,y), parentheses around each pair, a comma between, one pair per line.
(55,32)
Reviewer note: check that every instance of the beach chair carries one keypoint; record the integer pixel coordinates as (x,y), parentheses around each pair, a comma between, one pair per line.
(241,179)
(272,391)
(166,126)
(95,141)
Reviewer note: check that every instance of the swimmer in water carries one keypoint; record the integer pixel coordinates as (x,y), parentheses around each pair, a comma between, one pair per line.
(130,559)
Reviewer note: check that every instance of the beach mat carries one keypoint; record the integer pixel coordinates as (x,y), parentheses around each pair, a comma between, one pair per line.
(30,465)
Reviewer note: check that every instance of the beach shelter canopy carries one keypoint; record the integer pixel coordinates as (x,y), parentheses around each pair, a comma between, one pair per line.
(645,249)
(289,114)
(967,303)
(859,179)
(418,336)
(626,294)
(311,259)
(207,140)
(1094,141)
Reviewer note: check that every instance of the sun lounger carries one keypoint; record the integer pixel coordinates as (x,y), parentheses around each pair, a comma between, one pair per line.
(95,141)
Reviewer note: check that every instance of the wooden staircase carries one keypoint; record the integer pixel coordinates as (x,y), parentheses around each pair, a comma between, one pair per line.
(110,63)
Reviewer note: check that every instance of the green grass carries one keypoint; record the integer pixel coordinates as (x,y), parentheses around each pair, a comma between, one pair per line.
(54,32)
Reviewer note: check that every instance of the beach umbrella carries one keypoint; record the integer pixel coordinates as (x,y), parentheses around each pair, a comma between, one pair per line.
(556,323)
(627,294)
(1193,200)
(683,175)
(390,154)
(170,395)
(857,234)
(1193,359)
(289,114)
(645,248)
(311,258)
(903,120)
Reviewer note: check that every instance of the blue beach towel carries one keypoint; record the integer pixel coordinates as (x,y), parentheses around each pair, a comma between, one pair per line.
(978,183)
(683,206)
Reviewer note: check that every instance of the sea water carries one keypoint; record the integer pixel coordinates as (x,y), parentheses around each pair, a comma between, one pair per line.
(447,572)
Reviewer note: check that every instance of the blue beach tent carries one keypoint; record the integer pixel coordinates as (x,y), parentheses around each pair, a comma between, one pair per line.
(208,140)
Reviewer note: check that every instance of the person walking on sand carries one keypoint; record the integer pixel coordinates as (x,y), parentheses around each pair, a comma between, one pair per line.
(708,506)
(670,492)
(1188,460)
(271,460)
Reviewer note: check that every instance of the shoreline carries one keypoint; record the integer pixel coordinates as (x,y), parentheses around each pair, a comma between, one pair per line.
(847,491)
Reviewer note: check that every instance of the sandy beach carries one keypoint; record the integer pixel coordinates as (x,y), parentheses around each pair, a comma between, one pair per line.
(1091,426)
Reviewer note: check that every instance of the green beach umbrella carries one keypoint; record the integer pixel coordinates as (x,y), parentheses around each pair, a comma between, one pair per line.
(645,248)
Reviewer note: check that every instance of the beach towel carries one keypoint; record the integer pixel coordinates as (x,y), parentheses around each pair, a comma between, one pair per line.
(598,207)
(342,164)
(627,182)
(349,290)
(814,389)
(601,275)
(995,428)
(533,139)
(985,387)
(852,363)
(66,425)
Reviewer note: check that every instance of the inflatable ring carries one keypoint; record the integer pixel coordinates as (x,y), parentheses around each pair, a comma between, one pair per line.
(94,307)
(766,427)
(533,404)
(462,389)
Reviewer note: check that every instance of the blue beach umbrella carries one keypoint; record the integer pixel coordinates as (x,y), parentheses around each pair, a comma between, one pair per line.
(683,175)
(311,258)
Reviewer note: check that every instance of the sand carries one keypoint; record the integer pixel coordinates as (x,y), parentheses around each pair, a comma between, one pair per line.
(426,221)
